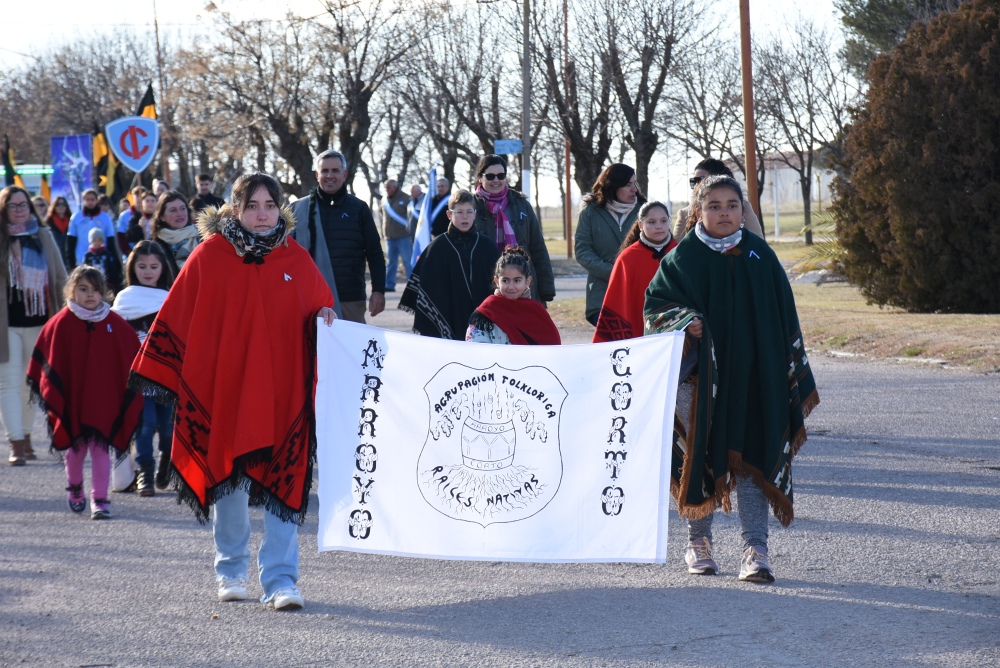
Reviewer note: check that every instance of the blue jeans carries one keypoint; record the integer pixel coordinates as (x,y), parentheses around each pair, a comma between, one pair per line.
(753,509)
(278,558)
(396,250)
(156,418)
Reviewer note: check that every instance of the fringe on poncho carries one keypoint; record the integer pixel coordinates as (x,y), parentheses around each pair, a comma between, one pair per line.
(754,385)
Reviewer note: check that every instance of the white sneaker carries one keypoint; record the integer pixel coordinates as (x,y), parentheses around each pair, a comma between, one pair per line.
(698,557)
(288,598)
(233,590)
(755,567)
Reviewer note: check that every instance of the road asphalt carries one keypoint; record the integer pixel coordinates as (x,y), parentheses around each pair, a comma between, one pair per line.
(893,560)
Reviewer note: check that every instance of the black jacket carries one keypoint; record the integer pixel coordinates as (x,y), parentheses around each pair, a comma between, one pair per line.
(352,240)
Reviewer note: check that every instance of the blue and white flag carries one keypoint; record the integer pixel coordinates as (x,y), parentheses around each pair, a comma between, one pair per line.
(455,450)
(423,236)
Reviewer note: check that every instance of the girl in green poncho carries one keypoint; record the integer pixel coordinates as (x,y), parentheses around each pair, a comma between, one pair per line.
(740,417)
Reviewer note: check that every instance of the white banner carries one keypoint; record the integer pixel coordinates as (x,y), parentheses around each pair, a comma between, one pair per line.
(453,450)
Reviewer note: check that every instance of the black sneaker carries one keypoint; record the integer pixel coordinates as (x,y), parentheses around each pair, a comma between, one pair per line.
(100,510)
(77,502)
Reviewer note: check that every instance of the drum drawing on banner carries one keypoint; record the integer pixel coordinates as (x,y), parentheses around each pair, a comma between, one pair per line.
(492,452)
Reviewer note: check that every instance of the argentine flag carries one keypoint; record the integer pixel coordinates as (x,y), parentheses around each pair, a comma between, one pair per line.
(422,239)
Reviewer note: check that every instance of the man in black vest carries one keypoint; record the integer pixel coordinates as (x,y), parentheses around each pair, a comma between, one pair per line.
(339,232)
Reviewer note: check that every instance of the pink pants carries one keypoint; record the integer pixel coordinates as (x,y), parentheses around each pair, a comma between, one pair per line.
(100,467)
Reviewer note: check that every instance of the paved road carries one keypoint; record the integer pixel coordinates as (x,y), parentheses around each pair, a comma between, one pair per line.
(893,560)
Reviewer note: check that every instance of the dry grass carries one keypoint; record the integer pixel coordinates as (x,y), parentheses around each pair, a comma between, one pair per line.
(835,317)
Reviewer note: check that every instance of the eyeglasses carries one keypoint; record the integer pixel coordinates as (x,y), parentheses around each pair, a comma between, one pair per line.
(695,180)
(499,177)
(23,206)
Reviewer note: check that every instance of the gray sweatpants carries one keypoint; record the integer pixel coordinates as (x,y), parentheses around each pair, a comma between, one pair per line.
(753,509)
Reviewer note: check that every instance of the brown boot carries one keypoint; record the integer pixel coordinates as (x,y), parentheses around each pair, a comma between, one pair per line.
(29,454)
(16,457)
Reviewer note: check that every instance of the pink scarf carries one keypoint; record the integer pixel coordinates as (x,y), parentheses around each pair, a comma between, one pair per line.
(496,204)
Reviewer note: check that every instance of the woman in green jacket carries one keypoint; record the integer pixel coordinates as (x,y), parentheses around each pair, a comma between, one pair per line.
(610,209)
(506,217)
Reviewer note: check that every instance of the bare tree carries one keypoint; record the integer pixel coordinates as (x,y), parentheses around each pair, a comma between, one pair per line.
(267,74)
(72,88)
(641,39)
(368,44)
(805,93)
(580,83)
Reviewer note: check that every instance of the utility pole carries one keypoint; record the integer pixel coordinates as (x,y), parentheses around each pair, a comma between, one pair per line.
(568,206)
(749,129)
(526,95)
(164,159)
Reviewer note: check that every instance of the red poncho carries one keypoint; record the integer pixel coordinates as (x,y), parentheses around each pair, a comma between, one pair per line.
(78,374)
(621,312)
(524,321)
(233,344)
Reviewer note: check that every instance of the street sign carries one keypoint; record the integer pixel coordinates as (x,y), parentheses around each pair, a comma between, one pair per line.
(507,146)
(134,140)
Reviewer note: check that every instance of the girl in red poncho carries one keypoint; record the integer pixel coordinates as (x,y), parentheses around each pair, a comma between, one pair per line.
(78,373)
(233,346)
(510,316)
(643,248)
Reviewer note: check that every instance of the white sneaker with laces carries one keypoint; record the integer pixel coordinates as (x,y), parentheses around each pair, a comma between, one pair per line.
(755,567)
(233,589)
(288,598)
(698,557)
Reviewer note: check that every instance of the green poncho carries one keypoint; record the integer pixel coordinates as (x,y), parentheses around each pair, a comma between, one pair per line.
(754,385)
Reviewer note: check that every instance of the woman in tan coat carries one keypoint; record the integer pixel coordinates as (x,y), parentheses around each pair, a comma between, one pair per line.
(32,276)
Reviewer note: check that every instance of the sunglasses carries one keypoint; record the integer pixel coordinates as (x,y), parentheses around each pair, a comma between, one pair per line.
(695,180)
(499,177)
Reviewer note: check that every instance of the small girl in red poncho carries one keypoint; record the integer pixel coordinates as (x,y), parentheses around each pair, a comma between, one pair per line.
(639,258)
(78,373)
(510,316)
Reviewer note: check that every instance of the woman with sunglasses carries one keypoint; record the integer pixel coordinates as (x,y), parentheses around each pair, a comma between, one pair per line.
(506,217)
(609,212)
(704,169)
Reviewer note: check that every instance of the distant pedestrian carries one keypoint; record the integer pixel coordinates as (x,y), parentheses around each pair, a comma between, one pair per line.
(149,277)
(57,220)
(643,248)
(413,210)
(340,234)
(743,411)
(175,229)
(205,197)
(41,207)
(704,169)
(609,212)
(439,207)
(396,230)
(78,373)
(510,316)
(99,257)
(107,206)
(32,278)
(508,219)
(139,226)
(80,225)
(453,275)
(160,186)
(232,349)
